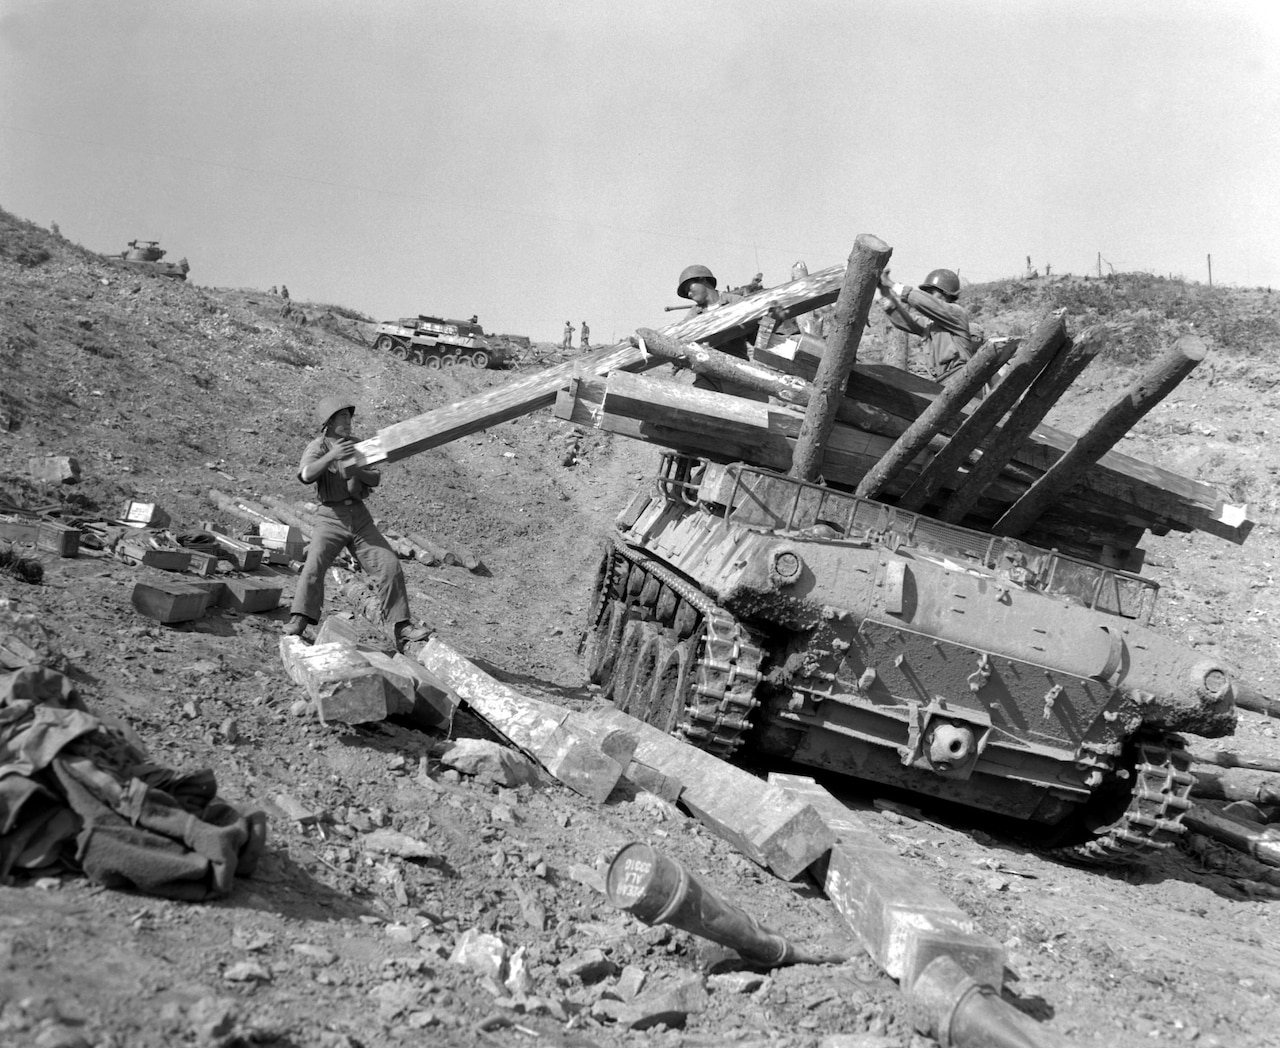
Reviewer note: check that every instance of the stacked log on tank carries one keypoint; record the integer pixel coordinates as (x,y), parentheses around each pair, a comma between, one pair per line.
(989,464)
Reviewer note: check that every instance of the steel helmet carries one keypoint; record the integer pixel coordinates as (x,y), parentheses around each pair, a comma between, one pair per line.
(327,408)
(942,280)
(692,273)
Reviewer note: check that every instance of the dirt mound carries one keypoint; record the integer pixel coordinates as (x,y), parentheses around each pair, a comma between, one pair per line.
(163,389)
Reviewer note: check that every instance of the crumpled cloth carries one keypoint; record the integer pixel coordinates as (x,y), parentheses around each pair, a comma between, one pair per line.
(75,787)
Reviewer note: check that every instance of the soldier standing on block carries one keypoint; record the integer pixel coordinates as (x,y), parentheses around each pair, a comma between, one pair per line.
(945,329)
(345,523)
(568,336)
(586,336)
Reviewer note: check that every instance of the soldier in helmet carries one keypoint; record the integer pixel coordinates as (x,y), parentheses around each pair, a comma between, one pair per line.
(945,328)
(698,284)
(345,523)
(568,336)
(586,336)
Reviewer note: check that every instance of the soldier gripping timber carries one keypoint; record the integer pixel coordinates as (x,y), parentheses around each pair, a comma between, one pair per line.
(945,329)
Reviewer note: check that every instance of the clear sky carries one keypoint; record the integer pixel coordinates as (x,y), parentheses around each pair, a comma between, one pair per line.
(536,162)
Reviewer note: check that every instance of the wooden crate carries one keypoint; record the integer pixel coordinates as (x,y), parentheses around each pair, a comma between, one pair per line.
(168,601)
(58,538)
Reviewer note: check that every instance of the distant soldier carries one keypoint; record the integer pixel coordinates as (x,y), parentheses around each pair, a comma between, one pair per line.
(475,318)
(945,328)
(275,290)
(568,336)
(586,336)
(284,291)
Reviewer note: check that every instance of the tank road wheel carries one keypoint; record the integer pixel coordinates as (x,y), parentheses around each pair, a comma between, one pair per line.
(431,360)
(449,361)
(480,359)
(632,640)
(401,350)
(600,651)
(672,680)
(631,693)
(385,343)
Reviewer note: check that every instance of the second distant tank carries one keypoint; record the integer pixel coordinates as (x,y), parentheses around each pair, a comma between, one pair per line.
(148,254)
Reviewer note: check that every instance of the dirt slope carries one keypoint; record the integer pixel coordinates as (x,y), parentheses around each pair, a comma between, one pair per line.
(162,390)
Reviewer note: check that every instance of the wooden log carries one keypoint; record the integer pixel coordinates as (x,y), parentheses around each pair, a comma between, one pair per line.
(869,256)
(901,917)
(434,554)
(1251,838)
(1221,786)
(1156,383)
(544,731)
(1028,362)
(528,394)
(237,507)
(763,822)
(959,389)
(1043,393)
(1226,759)
(726,368)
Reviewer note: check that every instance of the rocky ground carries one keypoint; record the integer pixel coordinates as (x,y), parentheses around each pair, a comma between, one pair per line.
(163,390)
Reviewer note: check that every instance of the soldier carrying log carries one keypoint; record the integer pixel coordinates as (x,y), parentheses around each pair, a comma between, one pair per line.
(945,328)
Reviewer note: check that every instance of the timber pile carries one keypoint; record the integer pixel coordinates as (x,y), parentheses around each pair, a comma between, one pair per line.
(991,465)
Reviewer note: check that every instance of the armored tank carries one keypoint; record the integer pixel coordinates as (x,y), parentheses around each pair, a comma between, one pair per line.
(438,343)
(149,255)
(752,613)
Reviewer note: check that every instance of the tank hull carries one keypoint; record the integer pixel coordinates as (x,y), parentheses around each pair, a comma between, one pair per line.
(923,656)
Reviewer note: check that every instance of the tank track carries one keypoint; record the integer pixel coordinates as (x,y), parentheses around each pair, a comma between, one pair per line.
(1158,798)
(718,711)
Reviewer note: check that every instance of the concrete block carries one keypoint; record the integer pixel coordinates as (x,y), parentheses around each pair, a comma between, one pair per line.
(169,601)
(250,595)
(654,781)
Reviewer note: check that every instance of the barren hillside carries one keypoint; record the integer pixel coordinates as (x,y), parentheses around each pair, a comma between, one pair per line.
(162,390)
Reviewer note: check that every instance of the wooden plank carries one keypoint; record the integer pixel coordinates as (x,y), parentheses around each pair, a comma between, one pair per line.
(903,919)
(542,730)
(763,822)
(342,684)
(528,394)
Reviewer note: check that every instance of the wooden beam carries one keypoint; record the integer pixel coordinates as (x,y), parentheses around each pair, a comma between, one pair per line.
(868,258)
(528,394)
(1156,383)
(1028,362)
